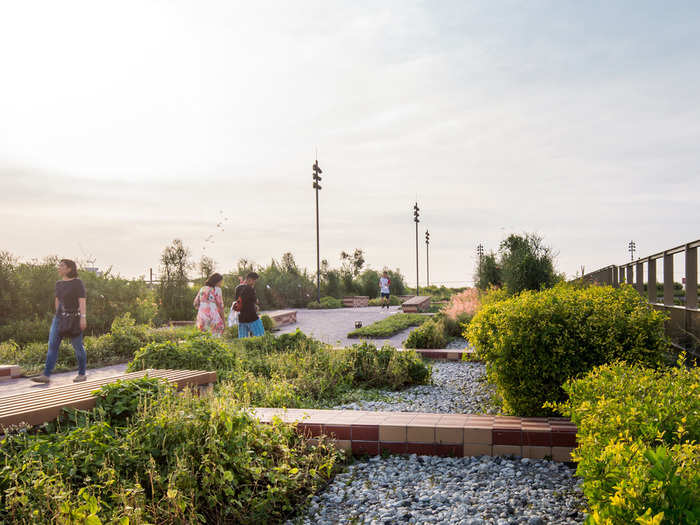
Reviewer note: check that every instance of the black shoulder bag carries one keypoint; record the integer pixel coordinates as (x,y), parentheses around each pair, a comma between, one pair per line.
(68,322)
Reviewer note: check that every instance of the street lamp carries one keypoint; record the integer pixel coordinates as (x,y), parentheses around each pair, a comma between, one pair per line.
(317,178)
(427,258)
(416,209)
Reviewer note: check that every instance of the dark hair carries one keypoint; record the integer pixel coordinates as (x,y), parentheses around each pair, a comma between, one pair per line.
(73,273)
(214,279)
(252,275)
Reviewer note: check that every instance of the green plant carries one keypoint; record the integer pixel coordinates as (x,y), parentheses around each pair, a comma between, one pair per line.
(393,301)
(430,334)
(326,303)
(389,326)
(182,459)
(532,343)
(120,400)
(638,432)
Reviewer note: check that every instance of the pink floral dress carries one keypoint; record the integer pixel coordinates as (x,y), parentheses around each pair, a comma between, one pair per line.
(210,302)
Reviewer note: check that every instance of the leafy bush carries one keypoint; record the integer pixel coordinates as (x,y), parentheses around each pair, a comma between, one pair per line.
(181,460)
(326,303)
(372,367)
(389,326)
(534,342)
(454,327)
(290,370)
(393,301)
(267,322)
(638,433)
(120,400)
(199,352)
(430,334)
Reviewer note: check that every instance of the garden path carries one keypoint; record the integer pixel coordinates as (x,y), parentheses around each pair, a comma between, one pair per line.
(20,385)
(333,326)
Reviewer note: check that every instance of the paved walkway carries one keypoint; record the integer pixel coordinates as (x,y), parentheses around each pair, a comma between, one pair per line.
(333,326)
(10,387)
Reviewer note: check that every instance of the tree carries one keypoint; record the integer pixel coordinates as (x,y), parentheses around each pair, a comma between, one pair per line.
(174,293)
(526,263)
(207,265)
(488,272)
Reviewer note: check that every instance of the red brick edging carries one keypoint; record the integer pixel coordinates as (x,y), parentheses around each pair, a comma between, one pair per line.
(456,435)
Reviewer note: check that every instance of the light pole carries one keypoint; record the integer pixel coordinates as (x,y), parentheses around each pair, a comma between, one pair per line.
(480,254)
(416,209)
(631,247)
(427,258)
(317,187)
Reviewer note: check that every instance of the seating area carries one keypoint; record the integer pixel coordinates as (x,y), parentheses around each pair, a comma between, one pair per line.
(46,404)
(356,301)
(283,317)
(454,435)
(420,303)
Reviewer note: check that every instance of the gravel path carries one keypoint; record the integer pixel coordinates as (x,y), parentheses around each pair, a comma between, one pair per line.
(458,388)
(469,491)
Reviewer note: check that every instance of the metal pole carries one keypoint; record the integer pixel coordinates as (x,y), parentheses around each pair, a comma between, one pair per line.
(427,264)
(416,219)
(318,255)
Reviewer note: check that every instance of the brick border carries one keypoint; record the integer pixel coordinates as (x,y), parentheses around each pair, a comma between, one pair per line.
(456,435)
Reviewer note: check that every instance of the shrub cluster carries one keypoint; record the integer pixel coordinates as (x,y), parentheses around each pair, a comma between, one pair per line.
(326,303)
(389,326)
(532,343)
(431,334)
(118,346)
(176,459)
(638,434)
(291,370)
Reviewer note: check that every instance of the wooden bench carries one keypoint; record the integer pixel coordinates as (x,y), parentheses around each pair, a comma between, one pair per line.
(46,404)
(420,303)
(9,371)
(282,317)
(356,301)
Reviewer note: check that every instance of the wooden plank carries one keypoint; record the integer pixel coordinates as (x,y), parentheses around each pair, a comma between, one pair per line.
(45,405)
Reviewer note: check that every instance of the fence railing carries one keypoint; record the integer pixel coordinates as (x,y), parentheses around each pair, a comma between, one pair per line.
(684,319)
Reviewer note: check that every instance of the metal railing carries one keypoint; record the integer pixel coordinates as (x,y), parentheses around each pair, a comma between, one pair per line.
(683,325)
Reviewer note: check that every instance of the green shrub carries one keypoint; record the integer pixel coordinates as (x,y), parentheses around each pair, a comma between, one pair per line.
(23,331)
(326,303)
(430,334)
(638,433)
(202,351)
(181,460)
(120,400)
(389,326)
(455,327)
(387,366)
(268,323)
(378,301)
(532,343)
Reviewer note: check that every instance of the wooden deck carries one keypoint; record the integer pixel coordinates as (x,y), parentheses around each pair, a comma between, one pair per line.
(420,303)
(35,408)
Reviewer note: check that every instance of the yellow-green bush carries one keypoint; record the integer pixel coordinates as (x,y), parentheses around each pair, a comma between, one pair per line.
(534,342)
(430,334)
(638,432)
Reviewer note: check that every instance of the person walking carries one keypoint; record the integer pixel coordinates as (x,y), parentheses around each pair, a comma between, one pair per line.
(210,306)
(70,320)
(384,290)
(248,321)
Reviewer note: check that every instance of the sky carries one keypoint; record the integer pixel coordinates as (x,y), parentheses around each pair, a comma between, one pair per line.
(125,125)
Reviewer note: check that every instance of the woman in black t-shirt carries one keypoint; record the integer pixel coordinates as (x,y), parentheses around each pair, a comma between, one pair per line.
(70,296)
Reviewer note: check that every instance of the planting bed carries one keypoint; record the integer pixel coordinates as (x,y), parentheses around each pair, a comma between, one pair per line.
(458,387)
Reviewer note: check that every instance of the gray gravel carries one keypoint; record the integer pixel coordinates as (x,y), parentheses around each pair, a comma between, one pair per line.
(458,387)
(471,491)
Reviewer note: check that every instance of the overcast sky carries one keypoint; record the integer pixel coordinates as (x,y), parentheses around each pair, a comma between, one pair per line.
(124,125)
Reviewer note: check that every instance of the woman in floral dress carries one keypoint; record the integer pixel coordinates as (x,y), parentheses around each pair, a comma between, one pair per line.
(210,305)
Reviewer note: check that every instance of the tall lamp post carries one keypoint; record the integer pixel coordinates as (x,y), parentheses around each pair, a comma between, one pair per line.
(317,178)
(416,209)
(631,247)
(427,258)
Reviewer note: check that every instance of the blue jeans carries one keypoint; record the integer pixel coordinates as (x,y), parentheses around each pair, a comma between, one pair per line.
(254,329)
(55,343)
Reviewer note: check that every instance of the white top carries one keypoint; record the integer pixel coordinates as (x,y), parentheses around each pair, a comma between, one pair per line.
(384,283)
